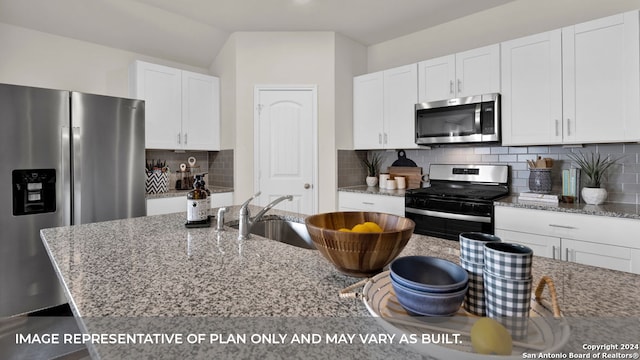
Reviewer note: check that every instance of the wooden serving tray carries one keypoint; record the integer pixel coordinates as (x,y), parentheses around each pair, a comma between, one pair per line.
(547,333)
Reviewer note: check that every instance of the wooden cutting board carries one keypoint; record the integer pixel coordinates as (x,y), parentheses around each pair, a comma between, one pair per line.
(412,174)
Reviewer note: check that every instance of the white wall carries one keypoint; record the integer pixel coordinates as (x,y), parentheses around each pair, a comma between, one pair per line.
(509,21)
(225,68)
(286,58)
(34,58)
(350,59)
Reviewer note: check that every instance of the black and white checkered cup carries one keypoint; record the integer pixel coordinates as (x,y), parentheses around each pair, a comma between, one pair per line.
(474,301)
(508,301)
(512,261)
(472,245)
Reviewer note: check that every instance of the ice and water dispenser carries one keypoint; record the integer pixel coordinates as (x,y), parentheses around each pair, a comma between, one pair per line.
(34,191)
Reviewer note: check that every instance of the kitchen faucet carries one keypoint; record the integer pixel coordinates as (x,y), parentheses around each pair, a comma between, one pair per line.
(245,221)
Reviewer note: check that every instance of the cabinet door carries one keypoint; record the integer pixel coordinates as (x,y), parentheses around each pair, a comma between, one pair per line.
(160,88)
(532,90)
(400,98)
(200,111)
(547,246)
(478,71)
(221,199)
(368,111)
(167,205)
(600,75)
(436,79)
(606,256)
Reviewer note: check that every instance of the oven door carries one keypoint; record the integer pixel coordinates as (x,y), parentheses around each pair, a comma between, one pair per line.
(447,225)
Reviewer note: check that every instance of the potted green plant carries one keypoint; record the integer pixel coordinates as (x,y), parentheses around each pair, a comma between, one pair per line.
(594,168)
(372,166)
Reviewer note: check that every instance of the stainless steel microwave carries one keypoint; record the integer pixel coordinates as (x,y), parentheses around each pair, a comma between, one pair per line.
(473,119)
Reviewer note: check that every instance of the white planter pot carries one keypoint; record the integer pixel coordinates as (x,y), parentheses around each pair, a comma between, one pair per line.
(594,196)
(372,181)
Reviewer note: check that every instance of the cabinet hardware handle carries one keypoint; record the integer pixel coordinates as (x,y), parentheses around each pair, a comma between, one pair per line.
(307,185)
(568,127)
(557,123)
(185,139)
(451,87)
(368,203)
(380,138)
(459,85)
(562,226)
(179,138)
(385,138)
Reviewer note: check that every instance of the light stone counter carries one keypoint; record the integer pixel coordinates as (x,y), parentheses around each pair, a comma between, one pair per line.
(153,269)
(620,210)
(183,193)
(373,190)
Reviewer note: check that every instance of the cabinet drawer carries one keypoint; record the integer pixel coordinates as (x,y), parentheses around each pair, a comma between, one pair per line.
(592,228)
(348,201)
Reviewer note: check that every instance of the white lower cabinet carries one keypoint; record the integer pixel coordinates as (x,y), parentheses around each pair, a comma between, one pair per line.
(602,241)
(348,201)
(175,204)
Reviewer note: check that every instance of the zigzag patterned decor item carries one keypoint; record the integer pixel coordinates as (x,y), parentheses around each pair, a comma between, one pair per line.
(157,182)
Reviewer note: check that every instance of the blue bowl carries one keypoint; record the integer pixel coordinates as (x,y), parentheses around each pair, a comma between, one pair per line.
(428,304)
(428,274)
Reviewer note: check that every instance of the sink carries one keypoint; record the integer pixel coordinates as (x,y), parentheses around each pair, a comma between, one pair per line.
(284,231)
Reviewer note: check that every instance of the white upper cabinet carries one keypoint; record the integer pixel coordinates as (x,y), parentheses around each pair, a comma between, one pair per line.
(383,109)
(200,111)
(577,85)
(601,80)
(368,111)
(532,90)
(182,107)
(467,73)
(160,87)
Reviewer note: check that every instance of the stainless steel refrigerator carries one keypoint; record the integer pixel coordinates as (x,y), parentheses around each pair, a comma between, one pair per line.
(65,158)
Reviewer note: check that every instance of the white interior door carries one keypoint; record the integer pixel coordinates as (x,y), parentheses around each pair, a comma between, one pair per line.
(285,152)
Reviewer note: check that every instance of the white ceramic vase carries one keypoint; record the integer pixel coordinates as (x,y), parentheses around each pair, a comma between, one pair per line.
(372,181)
(594,196)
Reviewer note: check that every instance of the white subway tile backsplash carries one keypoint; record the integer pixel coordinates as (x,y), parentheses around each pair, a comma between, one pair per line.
(623,182)
(508,158)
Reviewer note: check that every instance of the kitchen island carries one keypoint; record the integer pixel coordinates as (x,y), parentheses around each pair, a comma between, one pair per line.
(152,275)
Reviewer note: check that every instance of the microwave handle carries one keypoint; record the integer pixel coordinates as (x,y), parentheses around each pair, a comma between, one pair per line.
(478,118)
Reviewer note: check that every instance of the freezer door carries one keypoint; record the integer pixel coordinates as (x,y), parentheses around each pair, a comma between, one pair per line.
(108,175)
(34,123)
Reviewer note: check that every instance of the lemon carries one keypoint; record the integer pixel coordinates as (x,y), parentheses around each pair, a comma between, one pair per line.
(360,228)
(490,337)
(344,230)
(373,227)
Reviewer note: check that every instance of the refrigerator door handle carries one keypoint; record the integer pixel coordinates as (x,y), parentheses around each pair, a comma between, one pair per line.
(76,176)
(65,174)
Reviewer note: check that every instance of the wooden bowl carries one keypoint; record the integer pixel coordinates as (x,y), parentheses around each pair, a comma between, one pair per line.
(359,254)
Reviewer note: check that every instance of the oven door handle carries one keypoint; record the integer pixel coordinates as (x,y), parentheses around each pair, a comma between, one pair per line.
(482,219)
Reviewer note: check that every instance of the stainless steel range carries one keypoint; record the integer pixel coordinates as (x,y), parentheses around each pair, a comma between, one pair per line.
(460,199)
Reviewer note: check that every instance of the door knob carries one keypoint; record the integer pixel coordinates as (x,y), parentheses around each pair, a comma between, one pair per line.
(307,185)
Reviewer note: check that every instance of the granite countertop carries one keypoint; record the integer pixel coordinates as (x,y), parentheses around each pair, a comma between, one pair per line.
(620,210)
(181,193)
(373,190)
(153,269)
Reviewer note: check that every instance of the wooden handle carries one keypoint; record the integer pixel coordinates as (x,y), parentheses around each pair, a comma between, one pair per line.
(347,293)
(552,291)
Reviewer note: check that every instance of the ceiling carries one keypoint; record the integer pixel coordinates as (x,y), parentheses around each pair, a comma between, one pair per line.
(193,31)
